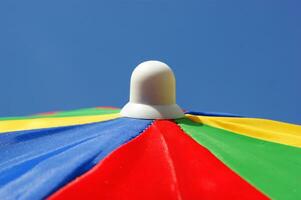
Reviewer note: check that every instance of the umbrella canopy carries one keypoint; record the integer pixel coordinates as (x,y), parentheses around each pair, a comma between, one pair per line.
(98,153)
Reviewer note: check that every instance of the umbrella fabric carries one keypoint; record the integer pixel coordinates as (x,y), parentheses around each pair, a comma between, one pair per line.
(34,163)
(95,154)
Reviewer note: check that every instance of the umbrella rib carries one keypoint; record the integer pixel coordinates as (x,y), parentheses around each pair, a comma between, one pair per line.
(170,163)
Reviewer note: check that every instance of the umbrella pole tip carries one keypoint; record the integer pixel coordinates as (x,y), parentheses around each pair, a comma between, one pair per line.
(152,93)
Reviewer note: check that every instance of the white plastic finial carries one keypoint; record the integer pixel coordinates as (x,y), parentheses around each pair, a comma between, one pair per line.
(152,93)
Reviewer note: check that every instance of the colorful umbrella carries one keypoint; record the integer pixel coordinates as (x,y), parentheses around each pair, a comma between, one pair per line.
(150,150)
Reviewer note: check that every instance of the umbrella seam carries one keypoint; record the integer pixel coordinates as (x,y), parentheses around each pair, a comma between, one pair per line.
(170,163)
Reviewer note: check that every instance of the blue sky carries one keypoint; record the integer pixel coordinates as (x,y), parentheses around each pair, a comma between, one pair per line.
(240,57)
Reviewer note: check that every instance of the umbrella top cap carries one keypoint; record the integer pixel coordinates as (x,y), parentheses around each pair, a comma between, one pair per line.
(152,93)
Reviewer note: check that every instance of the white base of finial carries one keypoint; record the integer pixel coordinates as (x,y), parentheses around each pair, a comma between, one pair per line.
(143,111)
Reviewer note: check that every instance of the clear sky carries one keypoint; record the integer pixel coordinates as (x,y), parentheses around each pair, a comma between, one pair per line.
(241,57)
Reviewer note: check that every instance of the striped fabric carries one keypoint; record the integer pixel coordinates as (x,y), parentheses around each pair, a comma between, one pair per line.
(96,154)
